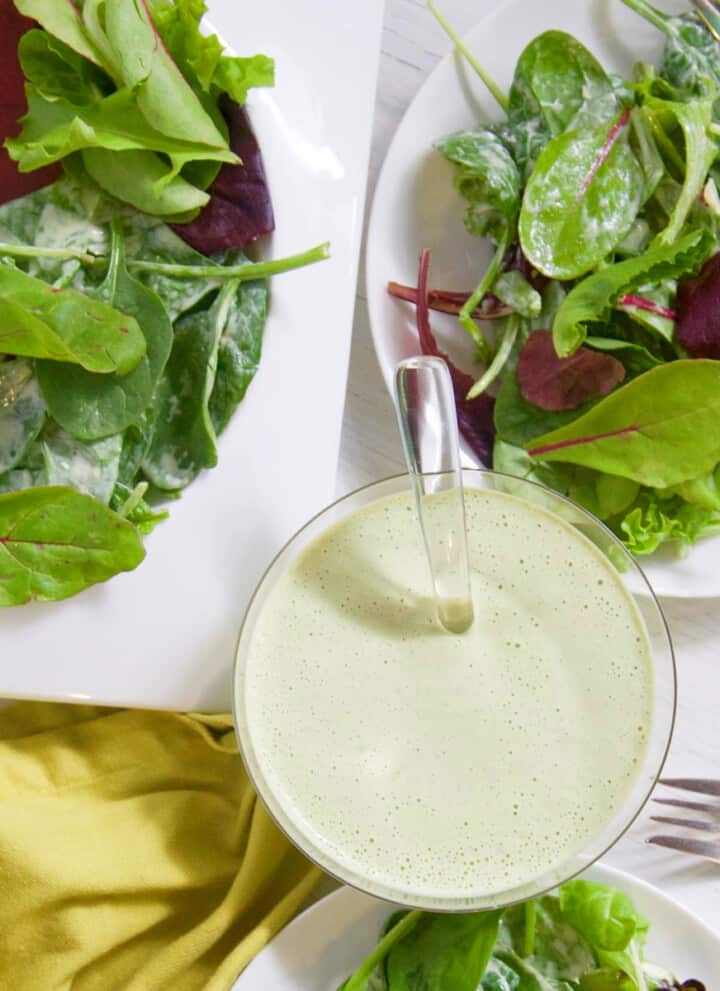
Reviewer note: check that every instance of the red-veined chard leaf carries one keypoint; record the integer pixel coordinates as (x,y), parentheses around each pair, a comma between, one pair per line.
(38,321)
(659,429)
(554,383)
(55,541)
(581,199)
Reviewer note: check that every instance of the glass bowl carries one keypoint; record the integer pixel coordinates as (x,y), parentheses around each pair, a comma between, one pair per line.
(650,764)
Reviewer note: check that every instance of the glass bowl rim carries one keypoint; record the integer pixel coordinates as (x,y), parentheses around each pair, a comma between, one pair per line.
(647,590)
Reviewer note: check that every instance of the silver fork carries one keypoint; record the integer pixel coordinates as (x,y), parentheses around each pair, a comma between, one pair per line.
(709,13)
(708,847)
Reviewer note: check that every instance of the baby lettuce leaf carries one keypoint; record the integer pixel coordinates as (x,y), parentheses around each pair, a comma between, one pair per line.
(448,952)
(37,321)
(200,56)
(655,520)
(57,125)
(698,309)
(594,298)
(89,467)
(55,70)
(605,917)
(240,209)
(22,412)
(141,179)
(700,152)
(55,541)
(513,289)
(184,439)
(636,358)
(554,383)
(164,95)
(239,351)
(659,429)
(62,19)
(581,199)
(90,406)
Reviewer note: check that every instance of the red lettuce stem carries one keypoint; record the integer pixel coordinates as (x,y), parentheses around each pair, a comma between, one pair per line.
(445,301)
(642,303)
(475,416)
(613,134)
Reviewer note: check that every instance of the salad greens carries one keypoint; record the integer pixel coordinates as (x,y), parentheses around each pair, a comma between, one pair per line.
(599,195)
(584,937)
(124,350)
(131,90)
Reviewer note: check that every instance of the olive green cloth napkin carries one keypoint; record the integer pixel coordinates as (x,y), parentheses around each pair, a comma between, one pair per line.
(134,854)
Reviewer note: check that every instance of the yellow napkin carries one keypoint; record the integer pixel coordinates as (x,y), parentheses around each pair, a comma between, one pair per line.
(134,854)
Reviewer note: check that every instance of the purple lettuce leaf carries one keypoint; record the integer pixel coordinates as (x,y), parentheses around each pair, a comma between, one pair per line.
(554,383)
(240,209)
(698,312)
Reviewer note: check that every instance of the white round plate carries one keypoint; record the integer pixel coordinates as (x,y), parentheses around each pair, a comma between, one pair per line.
(329,941)
(416,205)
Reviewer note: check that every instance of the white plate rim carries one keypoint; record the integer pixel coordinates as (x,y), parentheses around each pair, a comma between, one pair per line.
(600,872)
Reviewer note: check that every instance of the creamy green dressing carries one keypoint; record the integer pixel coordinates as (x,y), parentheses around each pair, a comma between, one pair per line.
(438,765)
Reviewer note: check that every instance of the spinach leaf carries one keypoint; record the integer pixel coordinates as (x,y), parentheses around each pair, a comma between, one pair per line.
(90,467)
(37,321)
(370,975)
(130,504)
(560,83)
(22,412)
(19,218)
(594,297)
(659,429)
(91,406)
(55,541)
(605,917)
(487,178)
(184,439)
(443,951)
(689,62)
(581,199)
(239,351)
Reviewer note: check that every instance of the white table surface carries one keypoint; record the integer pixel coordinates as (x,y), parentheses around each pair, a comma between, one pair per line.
(411,46)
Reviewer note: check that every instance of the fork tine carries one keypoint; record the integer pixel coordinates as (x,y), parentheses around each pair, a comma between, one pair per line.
(708,13)
(701,848)
(702,785)
(680,803)
(708,827)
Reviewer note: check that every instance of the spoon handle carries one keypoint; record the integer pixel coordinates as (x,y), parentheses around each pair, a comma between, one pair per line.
(427,417)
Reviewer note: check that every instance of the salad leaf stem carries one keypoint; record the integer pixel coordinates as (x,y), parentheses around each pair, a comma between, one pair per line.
(650,13)
(245,272)
(466,313)
(358,981)
(530,925)
(507,342)
(468,55)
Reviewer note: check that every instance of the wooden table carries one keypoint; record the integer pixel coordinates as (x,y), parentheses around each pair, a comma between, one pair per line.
(412,45)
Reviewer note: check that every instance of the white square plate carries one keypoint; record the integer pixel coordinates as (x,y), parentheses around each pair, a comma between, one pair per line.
(164,635)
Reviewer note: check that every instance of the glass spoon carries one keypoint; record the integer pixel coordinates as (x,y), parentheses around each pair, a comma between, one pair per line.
(425,407)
